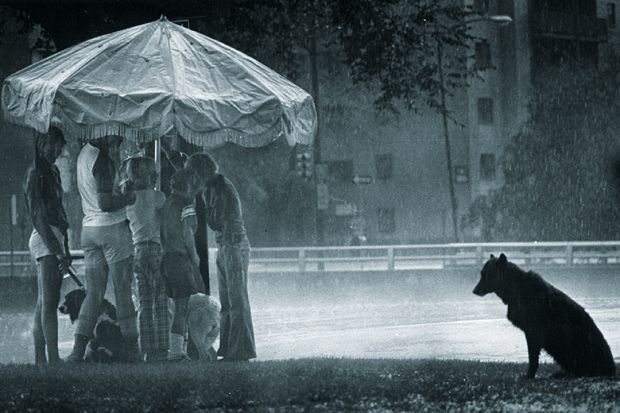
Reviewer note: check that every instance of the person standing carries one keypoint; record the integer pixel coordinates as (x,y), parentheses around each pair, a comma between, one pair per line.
(106,241)
(180,261)
(144,221)
(48,243)
(224,216)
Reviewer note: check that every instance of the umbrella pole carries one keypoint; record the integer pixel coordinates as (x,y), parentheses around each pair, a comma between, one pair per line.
(157,157)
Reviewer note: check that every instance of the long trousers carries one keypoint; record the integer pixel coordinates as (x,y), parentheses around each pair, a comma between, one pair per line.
(153,309)
(236,330)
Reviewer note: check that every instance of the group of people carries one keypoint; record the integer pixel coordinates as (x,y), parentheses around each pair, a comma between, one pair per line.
(131,230)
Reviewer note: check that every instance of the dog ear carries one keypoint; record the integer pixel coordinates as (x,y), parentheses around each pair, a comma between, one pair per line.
(502,262)
(492,257)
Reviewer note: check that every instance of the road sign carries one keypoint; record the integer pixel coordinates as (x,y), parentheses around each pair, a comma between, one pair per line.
(362,179)
(460,174)
(322,196)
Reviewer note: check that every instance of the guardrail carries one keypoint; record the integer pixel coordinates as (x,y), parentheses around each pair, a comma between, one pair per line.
(393,257)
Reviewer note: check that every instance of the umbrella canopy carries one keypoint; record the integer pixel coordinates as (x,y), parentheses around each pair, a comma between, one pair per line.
(146,81)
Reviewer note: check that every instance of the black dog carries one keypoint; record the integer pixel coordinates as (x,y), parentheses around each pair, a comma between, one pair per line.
(550,319)
(107,344)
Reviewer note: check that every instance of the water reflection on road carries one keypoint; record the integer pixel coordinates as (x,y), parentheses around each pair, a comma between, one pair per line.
(474,329)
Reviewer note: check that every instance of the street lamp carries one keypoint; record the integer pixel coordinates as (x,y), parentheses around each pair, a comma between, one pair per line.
(499,20)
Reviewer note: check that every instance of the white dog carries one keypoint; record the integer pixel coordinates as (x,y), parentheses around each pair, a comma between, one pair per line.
(204,324)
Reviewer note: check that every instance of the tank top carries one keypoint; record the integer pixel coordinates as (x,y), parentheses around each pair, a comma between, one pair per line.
(87,186)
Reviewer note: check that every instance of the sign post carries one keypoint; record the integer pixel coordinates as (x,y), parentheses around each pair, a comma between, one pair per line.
(362,179)
(322,196)
(13,212)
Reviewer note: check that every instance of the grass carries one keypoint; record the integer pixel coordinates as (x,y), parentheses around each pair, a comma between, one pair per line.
(302,385)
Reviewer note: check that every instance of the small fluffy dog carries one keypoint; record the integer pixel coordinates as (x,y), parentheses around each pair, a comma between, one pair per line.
(203,325)
(107,344)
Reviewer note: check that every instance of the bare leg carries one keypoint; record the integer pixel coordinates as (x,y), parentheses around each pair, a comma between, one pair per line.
(37,330)
(122,276)
(179,321)
(51,296)
(96,283)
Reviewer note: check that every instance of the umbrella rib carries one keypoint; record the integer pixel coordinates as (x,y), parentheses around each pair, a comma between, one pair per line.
(170,63)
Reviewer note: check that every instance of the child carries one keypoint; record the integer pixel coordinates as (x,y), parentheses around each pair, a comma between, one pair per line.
(48,242)
(144,221)
(180,261)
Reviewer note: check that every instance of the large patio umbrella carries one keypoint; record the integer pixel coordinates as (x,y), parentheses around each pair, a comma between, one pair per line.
(157,78)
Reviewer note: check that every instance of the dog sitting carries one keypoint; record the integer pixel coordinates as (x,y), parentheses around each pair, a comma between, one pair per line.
(550,319)
(107,344)
(203,325)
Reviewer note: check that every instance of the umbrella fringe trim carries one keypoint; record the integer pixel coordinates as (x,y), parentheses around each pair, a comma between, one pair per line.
(210,139)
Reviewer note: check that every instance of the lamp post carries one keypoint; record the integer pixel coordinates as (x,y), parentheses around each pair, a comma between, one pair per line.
(497,19)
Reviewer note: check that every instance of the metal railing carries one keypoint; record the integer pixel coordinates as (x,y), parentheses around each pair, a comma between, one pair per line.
(393,257)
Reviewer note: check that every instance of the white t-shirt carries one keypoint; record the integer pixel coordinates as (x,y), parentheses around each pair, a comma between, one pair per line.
(144,215)
(87,186)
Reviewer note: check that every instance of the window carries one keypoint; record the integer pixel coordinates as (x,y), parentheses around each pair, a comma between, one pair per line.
(487,166)
(485,111)
(483,55)
(341,170)
(481,6)
(386,220)
(383,165)
(611,15)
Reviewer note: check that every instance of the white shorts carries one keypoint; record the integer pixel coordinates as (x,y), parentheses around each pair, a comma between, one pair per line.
(37,245)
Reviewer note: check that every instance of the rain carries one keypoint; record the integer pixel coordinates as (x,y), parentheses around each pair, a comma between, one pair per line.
(420,138)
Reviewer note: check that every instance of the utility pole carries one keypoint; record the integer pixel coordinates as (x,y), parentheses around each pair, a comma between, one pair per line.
(314,78)
(444,116)
(496,19)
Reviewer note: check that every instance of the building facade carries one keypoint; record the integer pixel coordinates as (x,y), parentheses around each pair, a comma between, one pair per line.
(408,200)
(385,176)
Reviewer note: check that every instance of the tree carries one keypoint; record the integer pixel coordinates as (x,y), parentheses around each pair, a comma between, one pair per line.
(559,171)
(389,45)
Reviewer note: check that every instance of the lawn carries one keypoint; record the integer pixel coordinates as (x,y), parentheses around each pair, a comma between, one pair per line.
(302,385)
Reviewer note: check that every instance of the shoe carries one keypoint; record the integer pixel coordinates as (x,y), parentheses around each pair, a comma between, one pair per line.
(156,356)
(74,358)
(234,360)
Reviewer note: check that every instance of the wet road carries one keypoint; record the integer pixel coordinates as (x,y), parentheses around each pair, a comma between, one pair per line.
(474,329)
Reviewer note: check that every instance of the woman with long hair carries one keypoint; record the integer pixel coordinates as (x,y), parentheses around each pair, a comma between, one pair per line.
(48,243)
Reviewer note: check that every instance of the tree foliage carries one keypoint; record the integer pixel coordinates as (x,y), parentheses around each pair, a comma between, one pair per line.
(389,44)
(384,45)
(560,182)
